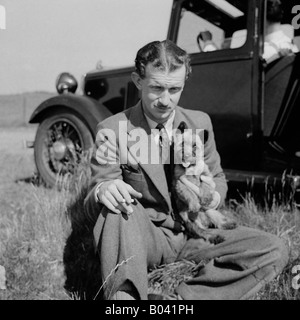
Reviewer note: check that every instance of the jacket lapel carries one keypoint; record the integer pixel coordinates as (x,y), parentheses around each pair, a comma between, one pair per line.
(178,118)
(138,126)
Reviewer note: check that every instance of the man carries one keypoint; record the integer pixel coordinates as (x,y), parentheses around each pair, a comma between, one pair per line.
(277,43)
(137,228)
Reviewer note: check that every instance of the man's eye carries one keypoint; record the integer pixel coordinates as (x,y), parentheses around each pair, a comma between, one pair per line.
(156,88)
(175,90)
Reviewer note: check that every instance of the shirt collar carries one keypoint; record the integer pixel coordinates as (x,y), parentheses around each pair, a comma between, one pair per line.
(168,124)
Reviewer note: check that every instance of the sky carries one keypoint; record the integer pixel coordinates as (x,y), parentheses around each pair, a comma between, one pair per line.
(45,37)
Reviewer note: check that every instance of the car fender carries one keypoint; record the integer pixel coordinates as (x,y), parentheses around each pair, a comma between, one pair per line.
(88,109)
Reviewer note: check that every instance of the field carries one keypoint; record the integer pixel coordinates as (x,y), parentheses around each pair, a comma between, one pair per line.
(31,225)
(34,227)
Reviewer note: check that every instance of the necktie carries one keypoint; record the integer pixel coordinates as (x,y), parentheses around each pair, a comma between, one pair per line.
(164,144)
(166,154)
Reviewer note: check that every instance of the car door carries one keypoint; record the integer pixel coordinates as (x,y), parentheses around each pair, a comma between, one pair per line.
(225,82)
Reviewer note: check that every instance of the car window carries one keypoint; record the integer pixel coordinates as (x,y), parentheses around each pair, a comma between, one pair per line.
(210,25)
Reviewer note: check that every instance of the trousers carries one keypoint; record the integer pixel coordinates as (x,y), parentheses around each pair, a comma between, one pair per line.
(238,267)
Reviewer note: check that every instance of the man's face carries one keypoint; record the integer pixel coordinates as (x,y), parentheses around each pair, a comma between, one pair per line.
(161,91)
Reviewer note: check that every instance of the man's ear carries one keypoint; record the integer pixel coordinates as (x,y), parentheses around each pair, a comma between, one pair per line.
(136,80)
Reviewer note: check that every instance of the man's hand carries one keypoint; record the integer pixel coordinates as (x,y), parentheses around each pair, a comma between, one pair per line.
(210,198)
(117,196)
(209,181)
(213,198)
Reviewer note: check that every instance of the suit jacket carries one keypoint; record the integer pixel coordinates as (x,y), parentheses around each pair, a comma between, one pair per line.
(119,133)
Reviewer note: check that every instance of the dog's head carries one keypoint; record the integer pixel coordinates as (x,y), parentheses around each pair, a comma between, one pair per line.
(188,147)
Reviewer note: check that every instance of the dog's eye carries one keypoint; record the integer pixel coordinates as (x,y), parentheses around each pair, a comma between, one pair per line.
(194,151)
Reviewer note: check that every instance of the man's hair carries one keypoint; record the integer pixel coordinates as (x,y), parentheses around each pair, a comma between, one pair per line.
(274,11)
(163,55)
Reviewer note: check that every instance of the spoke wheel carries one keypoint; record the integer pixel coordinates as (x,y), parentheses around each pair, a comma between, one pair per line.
(60,141)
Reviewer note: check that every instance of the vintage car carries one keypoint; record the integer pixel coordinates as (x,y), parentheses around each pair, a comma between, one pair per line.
(254,107)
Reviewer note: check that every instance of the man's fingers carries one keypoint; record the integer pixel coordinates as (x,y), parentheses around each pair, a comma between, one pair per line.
(208,180)
(116,191)
(111,199)
(110,206)
(117,196)
(118,202)
(128,192)
(133,192)
(127,209)
(124,194)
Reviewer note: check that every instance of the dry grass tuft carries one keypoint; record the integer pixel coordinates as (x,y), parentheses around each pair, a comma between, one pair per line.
(165,279)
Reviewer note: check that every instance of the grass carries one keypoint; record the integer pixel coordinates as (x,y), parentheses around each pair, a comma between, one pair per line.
(36,225)
(283,220)
(32,240)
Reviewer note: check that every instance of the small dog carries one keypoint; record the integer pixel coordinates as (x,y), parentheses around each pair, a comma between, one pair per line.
(193,194)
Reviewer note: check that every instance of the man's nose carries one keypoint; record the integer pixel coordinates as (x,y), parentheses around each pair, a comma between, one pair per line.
(164,99)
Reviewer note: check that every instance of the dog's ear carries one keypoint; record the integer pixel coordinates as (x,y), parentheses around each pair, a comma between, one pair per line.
(205,136)
(182,126)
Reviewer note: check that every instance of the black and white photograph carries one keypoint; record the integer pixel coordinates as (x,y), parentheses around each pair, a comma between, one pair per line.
(149,151)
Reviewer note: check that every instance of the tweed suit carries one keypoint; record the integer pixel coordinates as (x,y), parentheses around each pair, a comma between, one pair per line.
(150,235)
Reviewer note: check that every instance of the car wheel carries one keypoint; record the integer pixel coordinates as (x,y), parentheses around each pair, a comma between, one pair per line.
(60,142)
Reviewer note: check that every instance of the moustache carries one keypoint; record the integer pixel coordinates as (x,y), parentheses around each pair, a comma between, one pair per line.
(160,105)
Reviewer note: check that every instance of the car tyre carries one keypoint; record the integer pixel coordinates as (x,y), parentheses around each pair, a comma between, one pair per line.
(61,140)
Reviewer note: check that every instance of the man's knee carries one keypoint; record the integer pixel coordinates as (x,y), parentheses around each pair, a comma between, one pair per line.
(113,224)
